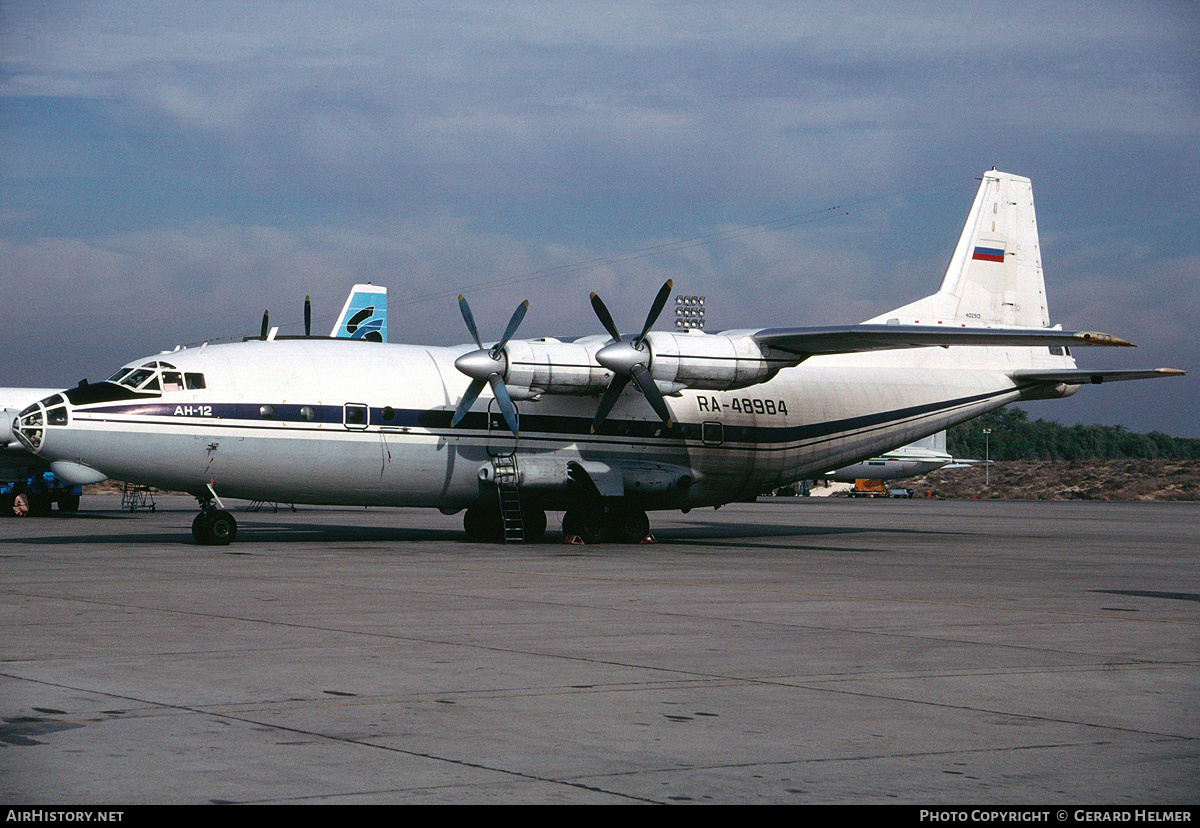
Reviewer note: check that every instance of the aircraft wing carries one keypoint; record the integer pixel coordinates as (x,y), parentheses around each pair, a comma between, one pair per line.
(1082,376)
(807,342)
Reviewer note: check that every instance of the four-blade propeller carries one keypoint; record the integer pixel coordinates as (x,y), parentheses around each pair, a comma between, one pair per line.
(487,366)
(629,359)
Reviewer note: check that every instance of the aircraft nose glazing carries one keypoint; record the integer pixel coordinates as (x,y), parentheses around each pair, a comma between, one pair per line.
(30,425)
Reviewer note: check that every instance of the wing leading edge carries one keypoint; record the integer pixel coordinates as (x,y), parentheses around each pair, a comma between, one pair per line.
(806,342)
(1082,376)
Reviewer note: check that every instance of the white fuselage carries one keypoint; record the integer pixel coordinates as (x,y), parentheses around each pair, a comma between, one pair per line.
(350,422)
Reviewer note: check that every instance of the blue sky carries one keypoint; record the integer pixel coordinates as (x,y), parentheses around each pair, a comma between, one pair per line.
(170,170)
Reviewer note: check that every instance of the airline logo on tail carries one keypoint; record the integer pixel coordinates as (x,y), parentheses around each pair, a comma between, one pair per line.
(364,315)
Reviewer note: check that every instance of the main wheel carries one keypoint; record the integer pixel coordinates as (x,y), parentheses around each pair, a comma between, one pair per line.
(630,525)
(535,524)
(483,525)
(589,524)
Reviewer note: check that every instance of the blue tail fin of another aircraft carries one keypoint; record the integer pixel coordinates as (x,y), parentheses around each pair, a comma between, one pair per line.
(364,315)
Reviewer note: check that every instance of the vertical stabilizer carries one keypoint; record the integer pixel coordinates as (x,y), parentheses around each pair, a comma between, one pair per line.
(995,275)
(364,315)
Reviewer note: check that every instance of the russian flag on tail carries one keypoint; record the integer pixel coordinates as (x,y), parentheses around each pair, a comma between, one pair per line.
(989,254)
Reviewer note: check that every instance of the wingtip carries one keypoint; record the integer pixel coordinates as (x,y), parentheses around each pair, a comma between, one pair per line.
(1099,338)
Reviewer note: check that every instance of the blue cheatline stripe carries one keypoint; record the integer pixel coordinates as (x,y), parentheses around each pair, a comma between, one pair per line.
(533,426)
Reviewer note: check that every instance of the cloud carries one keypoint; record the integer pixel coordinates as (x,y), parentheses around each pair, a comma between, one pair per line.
(172,168)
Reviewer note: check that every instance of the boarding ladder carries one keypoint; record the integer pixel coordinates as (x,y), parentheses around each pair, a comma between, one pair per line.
(507,488)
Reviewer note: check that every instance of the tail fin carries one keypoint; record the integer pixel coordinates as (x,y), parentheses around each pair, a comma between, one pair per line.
(995,275)
(364,315)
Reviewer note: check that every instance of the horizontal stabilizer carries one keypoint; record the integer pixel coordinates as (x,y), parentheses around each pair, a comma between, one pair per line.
(1082,376)
(858,338)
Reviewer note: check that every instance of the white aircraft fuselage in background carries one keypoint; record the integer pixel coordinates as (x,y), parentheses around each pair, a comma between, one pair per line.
(730,415)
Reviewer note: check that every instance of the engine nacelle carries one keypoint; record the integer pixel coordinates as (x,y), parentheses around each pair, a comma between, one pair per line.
(554,367)
(713,362)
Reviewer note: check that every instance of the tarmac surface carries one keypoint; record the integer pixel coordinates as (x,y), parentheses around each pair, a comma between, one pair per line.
(796,650)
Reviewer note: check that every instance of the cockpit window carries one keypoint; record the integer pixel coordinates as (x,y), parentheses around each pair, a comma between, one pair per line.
(157,377)
(136,378)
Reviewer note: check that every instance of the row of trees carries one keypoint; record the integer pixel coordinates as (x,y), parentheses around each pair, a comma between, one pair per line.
(1014,437)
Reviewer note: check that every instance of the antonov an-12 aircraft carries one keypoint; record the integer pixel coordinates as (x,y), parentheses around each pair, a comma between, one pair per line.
(603,427)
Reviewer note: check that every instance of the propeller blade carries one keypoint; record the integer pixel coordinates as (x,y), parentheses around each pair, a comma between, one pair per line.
(468,399)
(611,395)
(645,384)
(469,319)
(513,323)
(505,402)
(307,316)
(660,302)
(264,326)
(487,366)
(628,360)
(605,318)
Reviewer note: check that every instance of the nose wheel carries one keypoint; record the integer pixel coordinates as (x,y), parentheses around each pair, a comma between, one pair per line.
(214,527)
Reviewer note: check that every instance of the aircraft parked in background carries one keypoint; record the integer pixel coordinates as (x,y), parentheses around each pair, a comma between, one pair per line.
(920,457)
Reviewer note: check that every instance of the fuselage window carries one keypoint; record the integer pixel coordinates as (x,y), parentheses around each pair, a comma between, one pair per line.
(355,415)
(389,413)
(193,381)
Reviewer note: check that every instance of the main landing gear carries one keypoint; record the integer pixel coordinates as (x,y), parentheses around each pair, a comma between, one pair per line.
(486,524)
(589,524)
(213,526)
(606,524)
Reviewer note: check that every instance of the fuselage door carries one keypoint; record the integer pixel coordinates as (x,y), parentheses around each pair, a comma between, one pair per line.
(355,416)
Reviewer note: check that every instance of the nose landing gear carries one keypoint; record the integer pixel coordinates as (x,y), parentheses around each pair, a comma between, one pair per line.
(213,526)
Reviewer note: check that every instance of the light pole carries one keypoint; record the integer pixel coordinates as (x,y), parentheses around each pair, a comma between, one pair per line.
(987,460)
